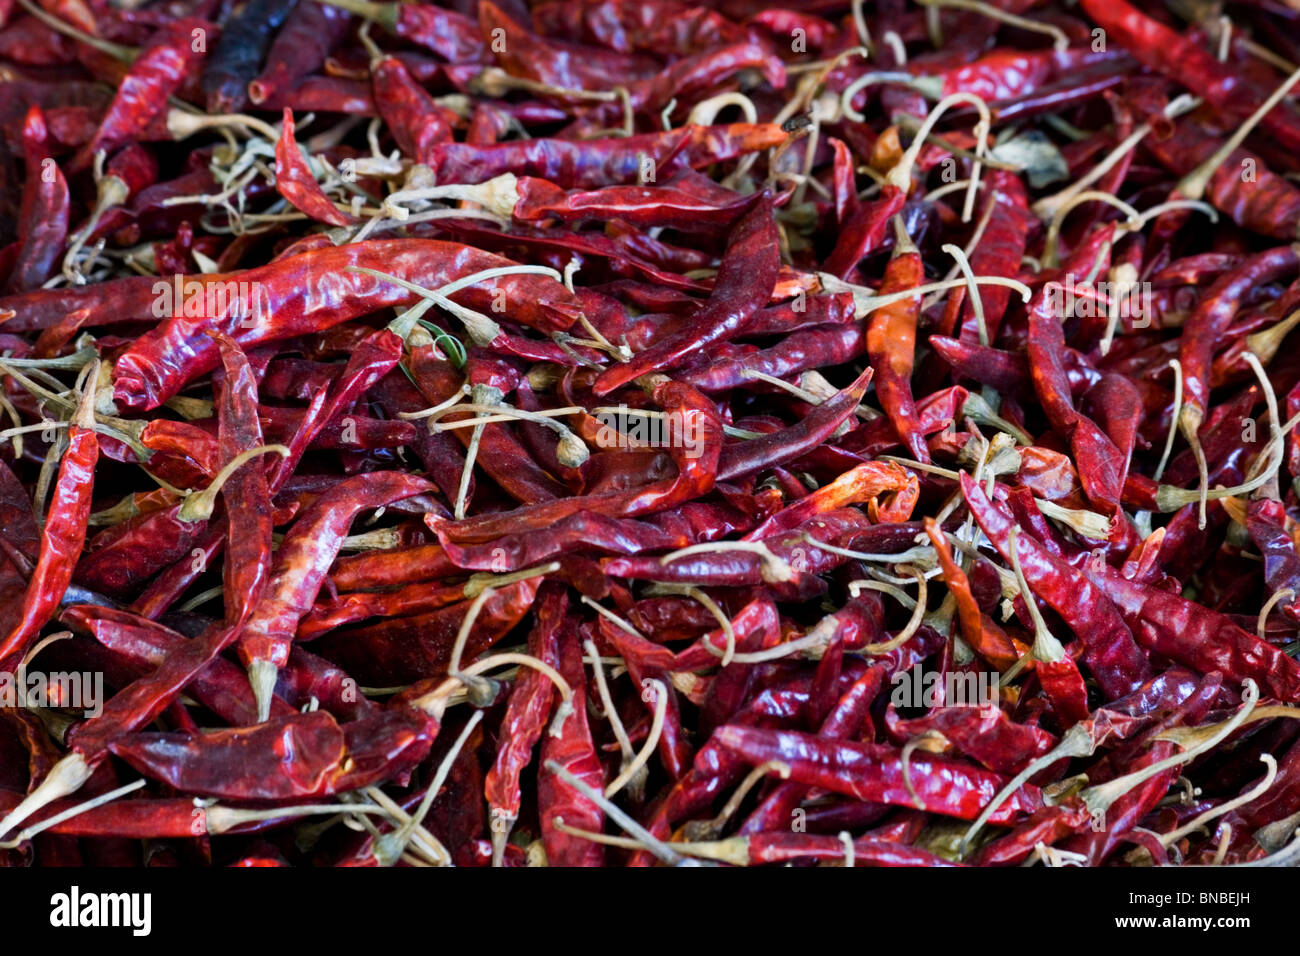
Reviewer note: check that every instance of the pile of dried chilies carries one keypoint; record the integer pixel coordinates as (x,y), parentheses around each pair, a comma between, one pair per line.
(597,432)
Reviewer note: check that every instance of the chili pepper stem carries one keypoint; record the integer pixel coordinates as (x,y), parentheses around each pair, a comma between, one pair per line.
(262,676)
(384,14)
(389,848)
(435,702)
(64,779)
(1254,793)
(198,507)
(182,125)
(113,192)
(1098,799)
(647,840)
(499,195)
(867,301)
(29,832)
(1078,741)
(631,770)
(481,329)
(708,830)
(1194,184)
(117,51)
(900,176)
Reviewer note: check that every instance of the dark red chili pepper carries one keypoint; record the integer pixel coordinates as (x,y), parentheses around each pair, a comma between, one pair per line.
(298,49)
(1213,314)
(156,74)
(43,219)
(301,756)
(246,493)
(294,179)
(452,35)
(64,532)
(306,293)
(1181,59)
(645,157)
(696,457)
(877,773)
(574,751)
(237,55)
(1109,649)
(1102,466)
(416,121)
(744,284)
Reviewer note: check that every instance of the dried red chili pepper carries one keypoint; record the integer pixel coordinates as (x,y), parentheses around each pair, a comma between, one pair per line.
(238,53)
(573,750)
(64,532)
(744,283)
(43,219)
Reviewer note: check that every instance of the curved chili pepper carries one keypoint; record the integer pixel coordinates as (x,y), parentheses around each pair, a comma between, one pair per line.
(298,565)
(1102,466)
(64,533)
(573,750)
(294,179)
(301,756)
(1110,652)
(744,283)
(416,121)
(1162,49)
(142,94)
(303,561)
(697,464)
(875,773)
(1211,318)
(43,219)
(238,53)
(308,293)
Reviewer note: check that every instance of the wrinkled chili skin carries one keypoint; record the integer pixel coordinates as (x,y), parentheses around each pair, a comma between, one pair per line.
(238,53)
(61,542)
(137,704)
(873,772)
(298,48)
(573,750)
(1184,61)
(295,181)
(1112,655)
(530,706)
(247,493)
(301,756)
(142,94)
(1215,310)
(597,163)
(43,217)
(743,284)
(697,470)
(309,293)
(996,492)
